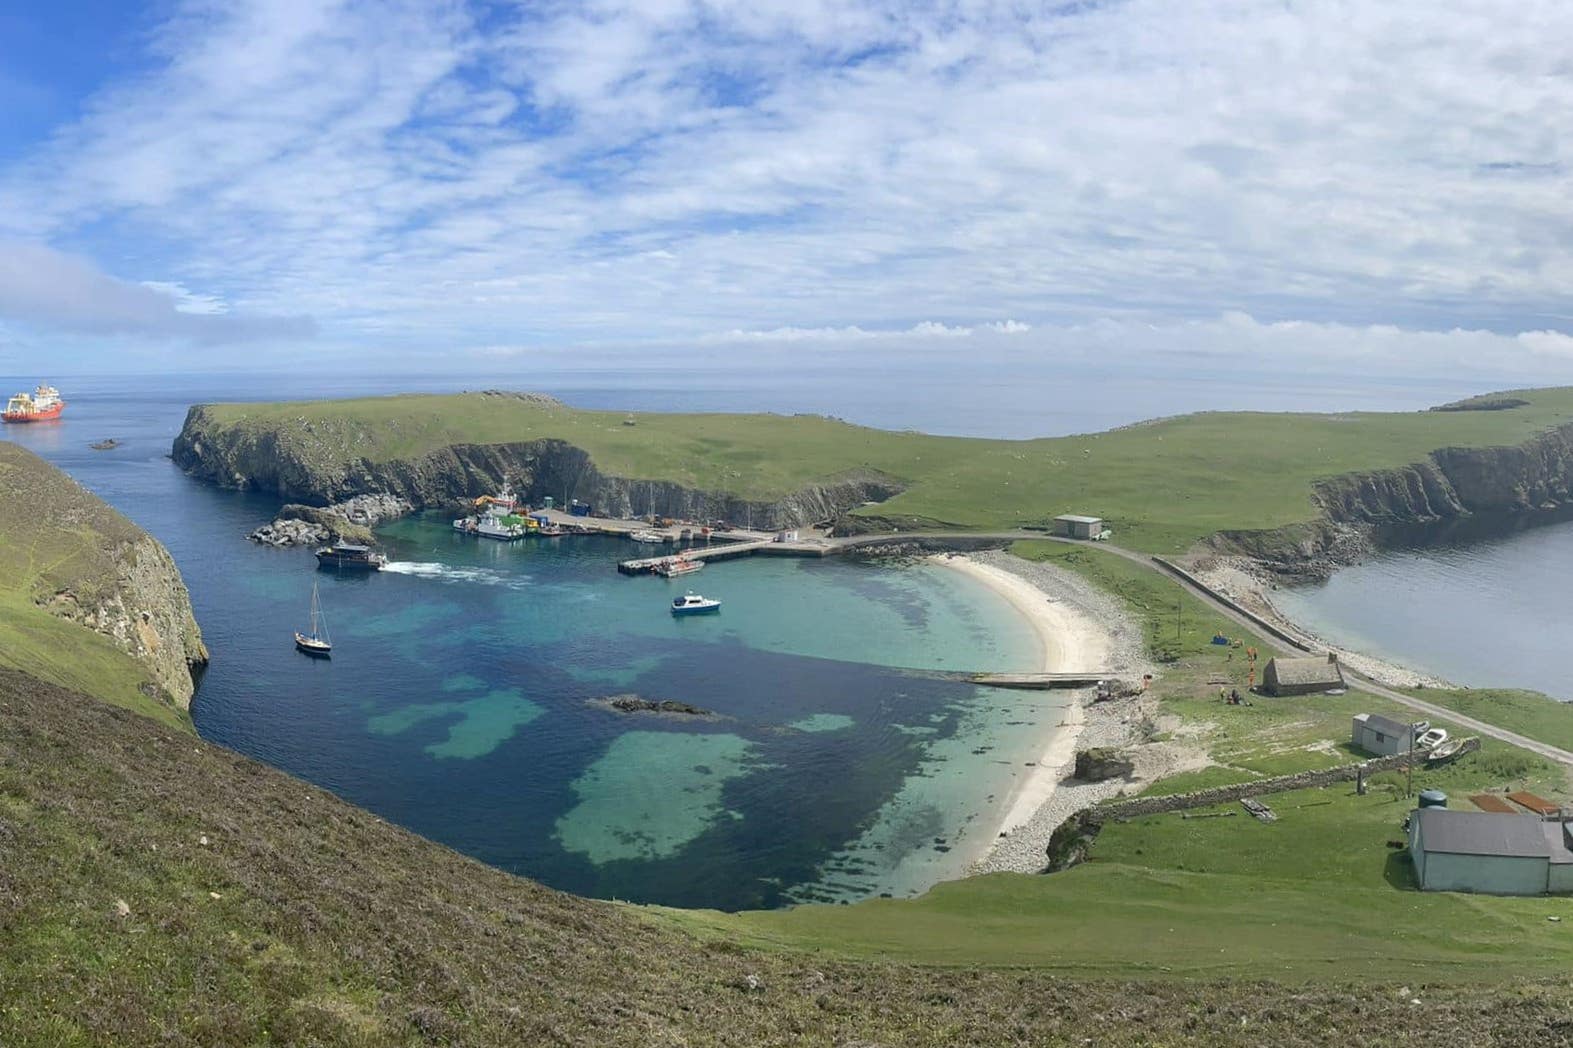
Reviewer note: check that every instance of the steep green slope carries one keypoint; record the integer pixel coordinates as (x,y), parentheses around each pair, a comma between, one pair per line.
(87,599)
(155,889)
(1164,484)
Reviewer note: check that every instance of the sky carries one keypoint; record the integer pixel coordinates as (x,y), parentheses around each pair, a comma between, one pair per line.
(1332,185)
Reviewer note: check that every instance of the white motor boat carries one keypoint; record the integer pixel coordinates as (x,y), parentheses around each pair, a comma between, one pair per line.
(692,603)
(1433,738)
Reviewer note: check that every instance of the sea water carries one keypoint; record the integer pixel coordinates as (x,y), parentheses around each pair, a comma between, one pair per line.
(839,761)
(1484,611)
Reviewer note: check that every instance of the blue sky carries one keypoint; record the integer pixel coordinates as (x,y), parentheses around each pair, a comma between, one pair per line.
(1363,186)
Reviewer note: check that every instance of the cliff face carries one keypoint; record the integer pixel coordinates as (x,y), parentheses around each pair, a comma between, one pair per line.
(1450,485)
(259,460)
(76,558)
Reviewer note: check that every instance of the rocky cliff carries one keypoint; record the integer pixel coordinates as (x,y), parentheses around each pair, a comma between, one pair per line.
(263,459)
(68,553)
(1514,485)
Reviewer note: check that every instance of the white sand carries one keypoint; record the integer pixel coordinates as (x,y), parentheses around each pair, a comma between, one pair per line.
(1073,641)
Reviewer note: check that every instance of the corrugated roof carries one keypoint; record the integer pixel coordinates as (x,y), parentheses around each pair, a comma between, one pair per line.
(1482,833)
(1306,671)
(1557,840)
(1385,725)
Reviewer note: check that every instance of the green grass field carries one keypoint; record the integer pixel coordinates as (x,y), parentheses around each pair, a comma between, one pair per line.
(1163,485)
(1316,895)
(57,538)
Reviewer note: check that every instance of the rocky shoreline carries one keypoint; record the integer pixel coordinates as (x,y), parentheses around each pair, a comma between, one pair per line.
(349,521)
(298,460)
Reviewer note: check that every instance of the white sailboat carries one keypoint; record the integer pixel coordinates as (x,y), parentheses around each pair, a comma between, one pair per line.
(315,643)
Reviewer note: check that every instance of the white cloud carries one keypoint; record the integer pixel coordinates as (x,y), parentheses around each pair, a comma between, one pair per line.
(834,172)
(43,287)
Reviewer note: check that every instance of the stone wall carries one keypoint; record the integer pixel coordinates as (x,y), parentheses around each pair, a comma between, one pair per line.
(1304,780)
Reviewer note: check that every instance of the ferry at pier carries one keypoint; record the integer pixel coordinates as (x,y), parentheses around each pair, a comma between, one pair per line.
(42,404)
(499,518)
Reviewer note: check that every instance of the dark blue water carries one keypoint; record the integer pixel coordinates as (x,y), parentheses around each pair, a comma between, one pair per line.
(459,701)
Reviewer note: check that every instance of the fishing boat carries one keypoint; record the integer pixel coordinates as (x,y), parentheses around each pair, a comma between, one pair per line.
(42,404)
(316,642)
(1431,739)
(349,557)
(1445,752)
(692,603)
(499,518)
(682,564)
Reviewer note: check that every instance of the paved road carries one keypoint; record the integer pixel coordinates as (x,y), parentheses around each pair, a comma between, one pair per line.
(1274,646)
(1357,681)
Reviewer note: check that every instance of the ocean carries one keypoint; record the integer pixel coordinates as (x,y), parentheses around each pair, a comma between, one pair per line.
(1481,610)
(462,697)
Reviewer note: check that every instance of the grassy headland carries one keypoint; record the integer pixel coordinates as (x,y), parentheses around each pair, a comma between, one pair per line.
(1164,484)
(64,561)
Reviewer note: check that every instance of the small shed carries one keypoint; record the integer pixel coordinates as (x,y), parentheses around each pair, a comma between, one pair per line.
(1074,526)
(1381,735)
(1476,851)
(1302,676)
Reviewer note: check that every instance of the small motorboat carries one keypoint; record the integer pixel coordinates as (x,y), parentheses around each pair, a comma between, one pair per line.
(647,537)
(692,603)
(1433,738)
(1446,751)
(316,642)
(682,564)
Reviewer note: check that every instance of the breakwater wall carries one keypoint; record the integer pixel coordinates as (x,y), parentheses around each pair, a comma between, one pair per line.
(1233,605)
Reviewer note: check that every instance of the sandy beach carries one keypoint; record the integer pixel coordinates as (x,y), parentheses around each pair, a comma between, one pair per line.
(1079,628)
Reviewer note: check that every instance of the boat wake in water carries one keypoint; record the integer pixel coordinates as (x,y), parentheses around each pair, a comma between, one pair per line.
(450,573)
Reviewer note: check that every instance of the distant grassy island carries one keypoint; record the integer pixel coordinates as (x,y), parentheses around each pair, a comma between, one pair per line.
(1165,484)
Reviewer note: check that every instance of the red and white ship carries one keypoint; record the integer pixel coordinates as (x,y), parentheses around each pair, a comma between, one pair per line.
(40,405)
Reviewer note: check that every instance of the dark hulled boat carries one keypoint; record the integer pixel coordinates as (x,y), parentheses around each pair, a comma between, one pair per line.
(348,557)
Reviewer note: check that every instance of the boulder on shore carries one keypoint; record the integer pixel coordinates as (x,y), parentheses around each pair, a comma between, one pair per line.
(1102,762)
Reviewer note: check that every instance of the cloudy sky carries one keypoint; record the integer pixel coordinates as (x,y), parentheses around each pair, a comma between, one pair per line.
(1378,184)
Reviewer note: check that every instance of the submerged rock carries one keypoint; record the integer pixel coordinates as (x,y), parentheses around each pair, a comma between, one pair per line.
(631,703)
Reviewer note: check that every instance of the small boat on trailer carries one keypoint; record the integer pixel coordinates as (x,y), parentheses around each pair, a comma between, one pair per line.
(692,603)
(316,643)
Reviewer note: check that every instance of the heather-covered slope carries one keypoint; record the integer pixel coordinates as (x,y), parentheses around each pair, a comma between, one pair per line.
(157,890)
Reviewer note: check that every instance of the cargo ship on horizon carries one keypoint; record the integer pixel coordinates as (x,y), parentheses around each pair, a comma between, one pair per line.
(42,404)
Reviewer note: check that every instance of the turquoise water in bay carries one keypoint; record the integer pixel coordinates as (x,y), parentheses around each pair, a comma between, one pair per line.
(462,698)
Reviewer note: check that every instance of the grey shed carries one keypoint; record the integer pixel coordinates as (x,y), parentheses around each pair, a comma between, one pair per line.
(1302,676)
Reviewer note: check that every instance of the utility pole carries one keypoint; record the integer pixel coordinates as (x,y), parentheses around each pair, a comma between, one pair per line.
(1179,602)
(1409,783)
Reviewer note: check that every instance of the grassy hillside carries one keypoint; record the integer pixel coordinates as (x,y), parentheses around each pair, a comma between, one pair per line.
(56,538)
(1164,484)
(1314,896)
(155,889)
